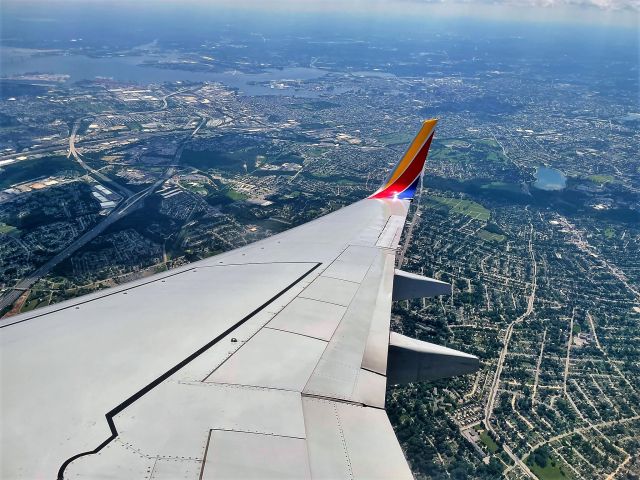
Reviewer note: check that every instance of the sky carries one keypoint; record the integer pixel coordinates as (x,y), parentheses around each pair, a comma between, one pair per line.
(623,13)
(602,5)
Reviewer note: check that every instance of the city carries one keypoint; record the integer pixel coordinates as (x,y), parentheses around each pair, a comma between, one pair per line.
(530,208)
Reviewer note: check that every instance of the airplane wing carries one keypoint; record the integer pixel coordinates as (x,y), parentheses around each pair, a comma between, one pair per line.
(269,361)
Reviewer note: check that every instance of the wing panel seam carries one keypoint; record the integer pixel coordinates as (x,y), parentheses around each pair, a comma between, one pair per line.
(295,333)
(140,393)
(132,287)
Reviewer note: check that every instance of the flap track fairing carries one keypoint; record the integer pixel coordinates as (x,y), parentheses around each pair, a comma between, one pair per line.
(407,286)
(412,360)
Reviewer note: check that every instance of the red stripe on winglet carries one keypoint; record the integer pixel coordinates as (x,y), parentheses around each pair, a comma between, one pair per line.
(408,176)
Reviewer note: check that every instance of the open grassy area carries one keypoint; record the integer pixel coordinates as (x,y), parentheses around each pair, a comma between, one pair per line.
(465,151)
(602,179)
(229,160)
(235,195)
(4,228)
(468,208)
(36,299)
(550,471)
(490,236)
(399,138)
(490,142)
(194,187)
(488,441)
(316,151)
(502,186)
(34,169)
(544,466)
(33,304)
(609,232)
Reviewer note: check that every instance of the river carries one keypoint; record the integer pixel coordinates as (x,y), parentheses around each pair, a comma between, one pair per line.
(15,62)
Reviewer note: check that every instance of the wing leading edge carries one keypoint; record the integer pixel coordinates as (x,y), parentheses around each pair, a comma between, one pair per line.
(269,361)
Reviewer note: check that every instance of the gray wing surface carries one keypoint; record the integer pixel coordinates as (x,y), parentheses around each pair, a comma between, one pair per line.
(269,361)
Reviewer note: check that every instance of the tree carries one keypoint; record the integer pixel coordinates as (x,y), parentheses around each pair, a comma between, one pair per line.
(541,456)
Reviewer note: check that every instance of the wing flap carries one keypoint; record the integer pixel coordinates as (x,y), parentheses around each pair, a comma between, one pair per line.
(251,456)
(390,236)
(347,441)
(336,374)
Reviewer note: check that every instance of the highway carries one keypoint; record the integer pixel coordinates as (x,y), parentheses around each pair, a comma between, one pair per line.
(129,204)
(125,192)
(124,208)
(132,200)
(58,145)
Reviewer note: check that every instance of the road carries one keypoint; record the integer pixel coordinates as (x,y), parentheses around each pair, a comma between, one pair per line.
(123,209)
(58,145)
(568,358)
(593,331)
(488,412)
(125,192)
(595,426)
(131,201)
(64,145)
(201,124)
(537,374)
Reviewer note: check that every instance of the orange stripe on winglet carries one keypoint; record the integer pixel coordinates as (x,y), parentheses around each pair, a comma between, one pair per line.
(422,136)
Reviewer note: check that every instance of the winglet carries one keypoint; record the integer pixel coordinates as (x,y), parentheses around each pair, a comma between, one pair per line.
(404,179)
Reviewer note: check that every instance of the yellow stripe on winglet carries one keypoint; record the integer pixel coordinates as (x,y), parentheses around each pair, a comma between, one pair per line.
(414,148)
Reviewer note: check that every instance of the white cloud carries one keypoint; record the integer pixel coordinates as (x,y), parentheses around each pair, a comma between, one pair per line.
(601,4)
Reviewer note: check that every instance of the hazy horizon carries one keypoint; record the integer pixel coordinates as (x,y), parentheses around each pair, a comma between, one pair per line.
(605,13)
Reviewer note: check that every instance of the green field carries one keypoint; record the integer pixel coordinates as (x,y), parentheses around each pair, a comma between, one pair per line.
(225,160)
(544,466)
(609,232)
(25,170)
(235,195)
(490,236)
(462,207)
(602,179)
(194,187)
(33,304)
(235,159)
(316,151)
(465,151)
(490,142)
(548,472)
(391,139)
(502,186)
(4,228)
(36,299)
(489,442)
